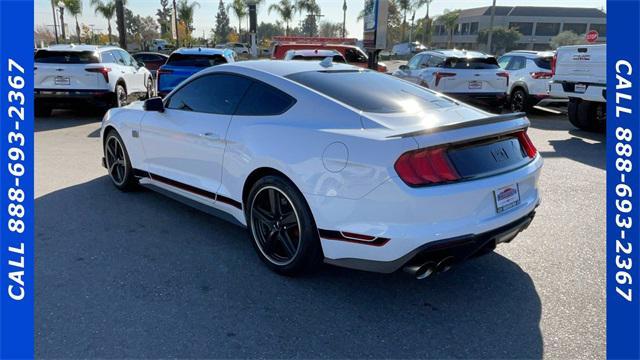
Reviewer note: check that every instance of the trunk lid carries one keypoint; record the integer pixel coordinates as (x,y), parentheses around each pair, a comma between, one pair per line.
(581,63)
(67,70)
(471,75)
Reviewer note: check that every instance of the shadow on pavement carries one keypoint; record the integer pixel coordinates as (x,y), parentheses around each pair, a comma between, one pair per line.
(139,275)
(61,119)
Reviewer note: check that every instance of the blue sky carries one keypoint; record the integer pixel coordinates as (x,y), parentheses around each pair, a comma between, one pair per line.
(331,9)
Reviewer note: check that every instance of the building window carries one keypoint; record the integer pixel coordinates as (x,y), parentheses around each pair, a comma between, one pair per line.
(465,29)
(576,28)
(524,28)
(474,28)
(547,29)
(600,28)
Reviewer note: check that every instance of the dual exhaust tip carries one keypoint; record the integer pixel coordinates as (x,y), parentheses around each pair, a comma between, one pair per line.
(426,269)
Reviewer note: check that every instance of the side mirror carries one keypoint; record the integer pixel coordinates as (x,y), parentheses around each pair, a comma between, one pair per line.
(154,104)
(404,68)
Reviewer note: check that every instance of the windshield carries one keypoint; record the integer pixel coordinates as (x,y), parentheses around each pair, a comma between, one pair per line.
(195,60)
(471,63)
(371,91)
(66,57)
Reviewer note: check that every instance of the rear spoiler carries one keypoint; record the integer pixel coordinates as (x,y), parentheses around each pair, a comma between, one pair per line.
(462,125)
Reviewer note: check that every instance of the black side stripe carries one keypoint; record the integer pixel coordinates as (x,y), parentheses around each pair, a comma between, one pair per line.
(189,188)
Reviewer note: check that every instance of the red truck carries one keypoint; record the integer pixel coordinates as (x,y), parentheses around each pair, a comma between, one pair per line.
(346,46)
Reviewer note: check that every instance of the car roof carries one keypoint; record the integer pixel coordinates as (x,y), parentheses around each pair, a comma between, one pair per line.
(282,68)
(149,53)
(531,53)
(80,48)
(203,51)
(458,53)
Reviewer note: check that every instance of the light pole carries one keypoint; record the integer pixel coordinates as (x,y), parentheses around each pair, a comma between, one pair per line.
(61,9)
(344,19)
(490,37)
(55,21)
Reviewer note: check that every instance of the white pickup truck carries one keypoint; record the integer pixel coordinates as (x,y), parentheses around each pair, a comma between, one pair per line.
(579,73)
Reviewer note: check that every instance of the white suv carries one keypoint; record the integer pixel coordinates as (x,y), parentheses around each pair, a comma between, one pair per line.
(467,75)
(67,76)
(530,73)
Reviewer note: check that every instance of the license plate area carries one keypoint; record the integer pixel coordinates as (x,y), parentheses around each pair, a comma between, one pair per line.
(62,80)
(475,85)
(580,88)
(506,197)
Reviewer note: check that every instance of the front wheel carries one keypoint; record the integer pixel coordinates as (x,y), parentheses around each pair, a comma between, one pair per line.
(118,163)
(281,227)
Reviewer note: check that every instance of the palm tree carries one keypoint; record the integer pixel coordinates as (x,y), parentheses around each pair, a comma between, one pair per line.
(107,10)
(286,9)
(427,22)
(404,6)
(74,8)
(185,14)
(450,20)
(239,9)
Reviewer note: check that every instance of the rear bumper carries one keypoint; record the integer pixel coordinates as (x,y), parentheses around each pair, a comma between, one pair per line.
(492,99)
(63,99)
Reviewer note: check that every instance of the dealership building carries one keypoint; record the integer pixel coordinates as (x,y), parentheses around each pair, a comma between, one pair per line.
(536,24)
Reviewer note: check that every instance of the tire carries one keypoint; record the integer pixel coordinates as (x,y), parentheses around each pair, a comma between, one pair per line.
(121,95)
(274,226)
(587,115)
(42,111)
(519,101)
(118,163)
(572,112)
(149,88)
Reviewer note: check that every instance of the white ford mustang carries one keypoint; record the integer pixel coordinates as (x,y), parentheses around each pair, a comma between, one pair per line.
(331,162)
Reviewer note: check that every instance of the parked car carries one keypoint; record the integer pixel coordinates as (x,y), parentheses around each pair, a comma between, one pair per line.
(466,75)
(159,44)
(325,161)
(314,55)
(152,61)
(580,73)
(529,76)
(185,62)
(239,48)
(407,48)
(68,76)
(353,54)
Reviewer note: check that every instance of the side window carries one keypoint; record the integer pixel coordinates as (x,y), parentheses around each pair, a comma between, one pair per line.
(108,58)
(212,94)
(504,61)
(127,59)
(264,100)
(118,56)
(435,61)
(424,63)
(517,63)
(414,62)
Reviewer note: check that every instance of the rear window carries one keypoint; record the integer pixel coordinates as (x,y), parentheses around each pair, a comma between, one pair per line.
(195,60)
(543,62)
(471,63)
(371,91)
(66,57)
(336,58)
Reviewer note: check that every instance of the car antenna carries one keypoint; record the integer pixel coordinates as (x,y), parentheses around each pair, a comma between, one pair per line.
(327,62)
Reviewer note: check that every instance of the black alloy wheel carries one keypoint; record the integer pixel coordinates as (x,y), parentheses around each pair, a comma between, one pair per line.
(519,101)
(117,162)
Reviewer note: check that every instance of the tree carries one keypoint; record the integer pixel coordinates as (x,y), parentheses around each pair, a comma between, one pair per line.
(223,29)
(286,9)
(185,15)
(450,20)
(426,35)
(309,25)
(566,38)
(239,9)
(74,8)
(164,18)
(42,35)
(330,29)
(148,30)
(404,6)
(107,10)
(266,31)
(502,39)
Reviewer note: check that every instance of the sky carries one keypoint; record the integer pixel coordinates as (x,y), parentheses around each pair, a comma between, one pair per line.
(204,18)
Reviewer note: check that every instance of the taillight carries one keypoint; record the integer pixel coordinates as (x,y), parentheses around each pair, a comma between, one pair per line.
(553,64)
(103,70)
(439,75)
(162,71)
(425,167)
(526,143)
(541,75)
(505,75)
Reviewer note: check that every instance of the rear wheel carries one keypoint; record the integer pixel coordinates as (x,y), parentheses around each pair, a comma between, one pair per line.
(121,95)
(587,115)
(281,227)
(519,101)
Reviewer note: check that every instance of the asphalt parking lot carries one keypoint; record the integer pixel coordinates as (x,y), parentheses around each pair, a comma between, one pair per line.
(139,275)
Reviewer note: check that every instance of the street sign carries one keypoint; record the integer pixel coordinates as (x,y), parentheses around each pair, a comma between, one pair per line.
(376,13)
(592,36)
